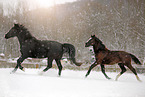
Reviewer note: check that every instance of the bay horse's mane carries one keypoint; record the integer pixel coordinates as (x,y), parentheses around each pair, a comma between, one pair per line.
(101,46)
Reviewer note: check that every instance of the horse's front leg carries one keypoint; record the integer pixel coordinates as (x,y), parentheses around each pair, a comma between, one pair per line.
(19,61)
(91,67)
(103,71)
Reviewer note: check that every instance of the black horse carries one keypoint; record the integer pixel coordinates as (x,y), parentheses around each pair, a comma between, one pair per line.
(34,48)
(107,57)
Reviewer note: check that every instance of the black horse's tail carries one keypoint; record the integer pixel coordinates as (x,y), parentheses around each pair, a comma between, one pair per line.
(70,49)
(135,59)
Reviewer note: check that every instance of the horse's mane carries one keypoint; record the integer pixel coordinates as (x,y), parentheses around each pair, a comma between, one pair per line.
(101,46)
(26,32)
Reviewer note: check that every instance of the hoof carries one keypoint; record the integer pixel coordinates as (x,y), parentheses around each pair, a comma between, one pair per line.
(41,73)
(86,75)
(117,76)
(108,78)
(138,78)
(59,74)
(116,79)
(79,64)
(23,69)
(13,71)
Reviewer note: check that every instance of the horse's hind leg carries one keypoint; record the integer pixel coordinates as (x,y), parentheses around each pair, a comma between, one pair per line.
(103,71)
(123,69)
(91,67)
(15,69)
(49,65)
(59,66)
(134,71)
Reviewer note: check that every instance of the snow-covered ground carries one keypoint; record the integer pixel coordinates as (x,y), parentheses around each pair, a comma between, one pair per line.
(70,84)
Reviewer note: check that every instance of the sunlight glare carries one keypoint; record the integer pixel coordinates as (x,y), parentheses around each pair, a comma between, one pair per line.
(49,3)
(46,3)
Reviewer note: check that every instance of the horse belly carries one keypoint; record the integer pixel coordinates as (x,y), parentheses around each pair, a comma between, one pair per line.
(56,51)
(39,53)
(55,54)
(111,60)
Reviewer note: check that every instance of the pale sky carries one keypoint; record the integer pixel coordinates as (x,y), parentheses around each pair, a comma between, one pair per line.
(10,6)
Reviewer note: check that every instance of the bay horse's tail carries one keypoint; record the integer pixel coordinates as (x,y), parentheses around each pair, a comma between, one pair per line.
(70,49)
(136,60)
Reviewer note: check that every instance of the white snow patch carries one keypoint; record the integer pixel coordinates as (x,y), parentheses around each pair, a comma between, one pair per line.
(2,54)
(70,84)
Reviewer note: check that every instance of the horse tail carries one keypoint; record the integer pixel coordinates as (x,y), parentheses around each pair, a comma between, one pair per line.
(136,60)
(70,49)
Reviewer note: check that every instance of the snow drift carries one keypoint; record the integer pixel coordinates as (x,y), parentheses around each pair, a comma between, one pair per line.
(70,84)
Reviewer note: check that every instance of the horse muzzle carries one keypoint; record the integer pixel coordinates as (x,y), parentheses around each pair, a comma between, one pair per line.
(6,36)
(86,45)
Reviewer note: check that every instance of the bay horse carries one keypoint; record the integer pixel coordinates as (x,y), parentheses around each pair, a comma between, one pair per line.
(104,57)
(34,48)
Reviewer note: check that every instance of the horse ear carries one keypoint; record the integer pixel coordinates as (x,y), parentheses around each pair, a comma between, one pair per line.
(21,25)
(16,25)
(93,36)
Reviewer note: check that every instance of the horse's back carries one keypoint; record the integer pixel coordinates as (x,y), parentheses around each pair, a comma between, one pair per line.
(116,57)
(52,45)
(54,48)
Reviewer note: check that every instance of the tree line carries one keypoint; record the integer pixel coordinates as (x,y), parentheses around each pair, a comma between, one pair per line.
(118,23)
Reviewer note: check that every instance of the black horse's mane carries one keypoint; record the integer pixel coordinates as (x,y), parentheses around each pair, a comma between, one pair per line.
(25,32)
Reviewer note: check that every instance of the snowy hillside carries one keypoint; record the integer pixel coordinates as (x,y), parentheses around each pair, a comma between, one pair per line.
(119,24)
(70,84)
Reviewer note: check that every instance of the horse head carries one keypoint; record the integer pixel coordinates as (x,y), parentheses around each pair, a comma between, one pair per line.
(14,31)
(91,41)
(94,41)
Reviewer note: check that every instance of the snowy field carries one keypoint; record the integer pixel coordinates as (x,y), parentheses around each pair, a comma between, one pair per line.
(70,84)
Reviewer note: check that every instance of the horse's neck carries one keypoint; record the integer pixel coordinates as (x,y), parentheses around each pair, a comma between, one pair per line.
(24,36)
(97,48)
